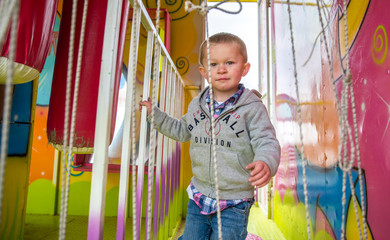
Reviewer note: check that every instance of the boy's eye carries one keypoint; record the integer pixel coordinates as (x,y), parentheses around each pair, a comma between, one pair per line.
(229,63)
(213,64)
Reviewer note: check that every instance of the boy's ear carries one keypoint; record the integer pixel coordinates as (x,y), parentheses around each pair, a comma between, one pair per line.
(247,66)
(204,72)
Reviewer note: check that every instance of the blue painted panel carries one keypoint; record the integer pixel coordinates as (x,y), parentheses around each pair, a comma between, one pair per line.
(20,122)
(46,76)
(21,103)
(18,138)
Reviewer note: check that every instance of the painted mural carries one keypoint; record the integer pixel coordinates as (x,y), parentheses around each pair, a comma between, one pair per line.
(320,86)
(46,164)
(320,89)
(34,29)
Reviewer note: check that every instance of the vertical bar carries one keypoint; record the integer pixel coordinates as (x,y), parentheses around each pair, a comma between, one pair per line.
(259,43)
(272,104)
(271,94)
(268,54)
(157,199)
(103,120)
(178,144)
(171,151)
(164,201)
(179,114)
(142,140)
(126,150)
(174,161)
(180,196)
(152,152)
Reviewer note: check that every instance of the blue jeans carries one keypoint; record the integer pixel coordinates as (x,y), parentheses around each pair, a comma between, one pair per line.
(204,227)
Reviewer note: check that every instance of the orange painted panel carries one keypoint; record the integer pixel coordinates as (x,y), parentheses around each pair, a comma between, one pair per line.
(42,156)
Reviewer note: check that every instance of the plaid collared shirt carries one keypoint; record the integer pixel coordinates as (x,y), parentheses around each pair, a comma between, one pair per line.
(219,108)
(209,205)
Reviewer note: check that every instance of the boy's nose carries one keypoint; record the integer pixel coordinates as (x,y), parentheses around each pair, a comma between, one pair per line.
(221,68)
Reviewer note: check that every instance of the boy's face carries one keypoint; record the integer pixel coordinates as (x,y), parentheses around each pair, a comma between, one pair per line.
(227,68)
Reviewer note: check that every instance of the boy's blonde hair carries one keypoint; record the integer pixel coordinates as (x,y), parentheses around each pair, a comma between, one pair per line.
(222,37)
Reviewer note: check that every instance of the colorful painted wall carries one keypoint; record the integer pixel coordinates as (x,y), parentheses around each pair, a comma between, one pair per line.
(369,61)
(34,29)
(18,161)
(186,34)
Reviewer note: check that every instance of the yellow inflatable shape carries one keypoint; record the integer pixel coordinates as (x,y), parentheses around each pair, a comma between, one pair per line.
(22,73)
(379,51)
(356,11)
(352,231)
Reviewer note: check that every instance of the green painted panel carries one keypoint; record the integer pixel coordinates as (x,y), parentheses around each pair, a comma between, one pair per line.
(41,197)
(290,218)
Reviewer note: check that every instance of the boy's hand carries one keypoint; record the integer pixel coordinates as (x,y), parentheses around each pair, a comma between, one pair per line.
(260,173)
(147,104)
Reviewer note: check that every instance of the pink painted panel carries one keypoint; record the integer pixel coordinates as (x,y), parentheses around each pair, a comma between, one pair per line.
(369,61)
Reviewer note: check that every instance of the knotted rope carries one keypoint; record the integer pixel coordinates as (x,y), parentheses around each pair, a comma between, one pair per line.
(134,37)
(67,150)
(354,140)
(154,97)
(203,9)
(345,162)
(14,12)
(299,114)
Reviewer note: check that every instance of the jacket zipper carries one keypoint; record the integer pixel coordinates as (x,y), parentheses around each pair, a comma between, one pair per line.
(209,117)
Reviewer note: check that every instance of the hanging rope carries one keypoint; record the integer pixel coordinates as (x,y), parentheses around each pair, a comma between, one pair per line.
(154,98)
(203,9)
(67,150)
(134,34)
(14,12)
(354,140)
(299,113)
(6,13)
(341,121)
(346,164)
(214,150)
(66,119)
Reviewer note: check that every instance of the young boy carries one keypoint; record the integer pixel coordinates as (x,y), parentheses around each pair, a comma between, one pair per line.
(247,150)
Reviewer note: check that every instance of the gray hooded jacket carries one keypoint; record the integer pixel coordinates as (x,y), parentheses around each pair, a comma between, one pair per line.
(244,134)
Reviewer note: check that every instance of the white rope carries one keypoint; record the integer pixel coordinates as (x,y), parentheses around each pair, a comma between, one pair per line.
(134,34)
(152,144)
(355,205)
(354,143)
(329,61)
(214,150)
(67,152)
(299,113)
(63,213)
(362,197)
(203,9)
(6,9)
(8,97)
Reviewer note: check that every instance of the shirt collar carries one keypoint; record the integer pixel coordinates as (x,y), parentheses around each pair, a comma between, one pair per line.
(234,98)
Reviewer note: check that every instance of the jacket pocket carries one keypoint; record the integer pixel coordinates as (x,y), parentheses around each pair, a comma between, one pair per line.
(231,172)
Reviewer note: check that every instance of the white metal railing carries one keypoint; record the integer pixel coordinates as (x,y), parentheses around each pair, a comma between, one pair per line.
(167,167)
